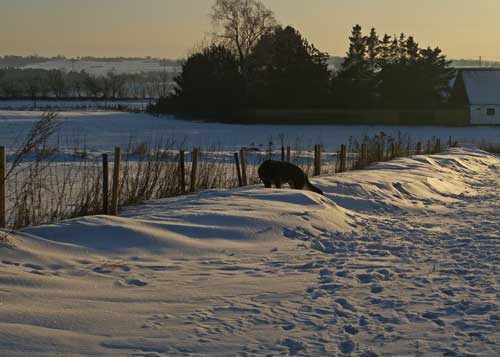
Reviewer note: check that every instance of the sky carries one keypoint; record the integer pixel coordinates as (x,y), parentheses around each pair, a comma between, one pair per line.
(172,28)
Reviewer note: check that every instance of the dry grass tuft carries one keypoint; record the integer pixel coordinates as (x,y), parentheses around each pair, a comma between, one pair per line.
(47,183)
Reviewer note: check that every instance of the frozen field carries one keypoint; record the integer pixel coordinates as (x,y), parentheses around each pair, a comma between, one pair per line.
(104,130)
(100,68)
(398,260)
(55,104)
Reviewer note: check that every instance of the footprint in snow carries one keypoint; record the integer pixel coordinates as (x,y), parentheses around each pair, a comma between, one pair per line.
(347,347)
(365,278)
(33,266)
(130,283)
(8,262)
(293,346)
(136,282)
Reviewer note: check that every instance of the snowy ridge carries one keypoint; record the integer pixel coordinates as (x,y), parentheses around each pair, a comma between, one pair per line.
(400,259)
(198,224)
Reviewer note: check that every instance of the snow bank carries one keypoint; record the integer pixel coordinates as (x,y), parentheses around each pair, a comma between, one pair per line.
(419,182)
(395,260)
(206,222)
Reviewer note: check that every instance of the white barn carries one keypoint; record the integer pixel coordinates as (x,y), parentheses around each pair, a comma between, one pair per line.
(479,89)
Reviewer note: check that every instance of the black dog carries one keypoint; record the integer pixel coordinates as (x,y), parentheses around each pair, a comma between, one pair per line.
(278,172)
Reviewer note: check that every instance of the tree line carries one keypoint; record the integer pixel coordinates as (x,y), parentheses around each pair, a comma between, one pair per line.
(13,61)
(18,83)
(254,62)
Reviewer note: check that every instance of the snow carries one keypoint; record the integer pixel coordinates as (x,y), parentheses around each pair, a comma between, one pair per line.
(101,68)
(482,86)
(401,259)
(101,131)
(55,104)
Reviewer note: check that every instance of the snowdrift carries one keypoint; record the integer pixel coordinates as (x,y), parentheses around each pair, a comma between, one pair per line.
(257,271)
(255,217)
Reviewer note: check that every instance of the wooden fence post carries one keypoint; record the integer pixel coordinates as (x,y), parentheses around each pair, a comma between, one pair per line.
(340,157)
(194,169)
(243,160)
(282,154)
(182,172)
(317,160)
(419,148)
(364,155)
(288,154)
(343,158)
(450,143)
(105,184)
(3,191)
(379,150)
(116,182)
(393,150)
(238,169)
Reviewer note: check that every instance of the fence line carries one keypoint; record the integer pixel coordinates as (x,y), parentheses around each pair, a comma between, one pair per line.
(238,169)
(3,191)
(182,172)
(317,160)
(194,169)
(116,182)
(170,179)
(243,159)
(105,184)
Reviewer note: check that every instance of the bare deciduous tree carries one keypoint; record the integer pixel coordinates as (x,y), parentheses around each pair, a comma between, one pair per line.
(240,24)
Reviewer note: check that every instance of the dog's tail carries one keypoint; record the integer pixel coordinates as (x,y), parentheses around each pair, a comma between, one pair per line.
(313,188)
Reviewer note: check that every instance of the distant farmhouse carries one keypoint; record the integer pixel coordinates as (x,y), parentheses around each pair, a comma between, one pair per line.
(479,90)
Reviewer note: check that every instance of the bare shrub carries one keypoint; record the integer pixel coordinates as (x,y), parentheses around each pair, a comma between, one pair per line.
(382,148)
(47,183)
(5,241)
(38,137)
(493,148)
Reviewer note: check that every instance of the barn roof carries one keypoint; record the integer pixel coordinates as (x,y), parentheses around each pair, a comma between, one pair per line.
(482,86)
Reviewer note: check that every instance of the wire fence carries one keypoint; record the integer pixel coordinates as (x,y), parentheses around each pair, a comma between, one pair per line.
(42,184)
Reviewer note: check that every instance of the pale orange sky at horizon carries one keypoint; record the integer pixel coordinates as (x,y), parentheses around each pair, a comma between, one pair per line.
(171,28)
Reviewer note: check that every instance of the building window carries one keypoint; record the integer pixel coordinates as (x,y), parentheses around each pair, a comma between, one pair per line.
(491,112)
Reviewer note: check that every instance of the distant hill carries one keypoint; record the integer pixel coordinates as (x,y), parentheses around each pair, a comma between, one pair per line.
(131,65)
(10,61)
(464,63)
(97,67)
(93,65)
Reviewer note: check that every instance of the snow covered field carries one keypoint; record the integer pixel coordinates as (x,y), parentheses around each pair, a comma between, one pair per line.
(399,260)
(104,130)
(99,68)
(55,104)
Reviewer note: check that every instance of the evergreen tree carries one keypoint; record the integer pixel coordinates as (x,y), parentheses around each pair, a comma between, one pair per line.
(392,73)
(210,84)
(416,78)
(356,62)
(411,49)
(288,71)
(401,48)
(435,75)
(352,87)
(394,49)
(385,54)
(373,49)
